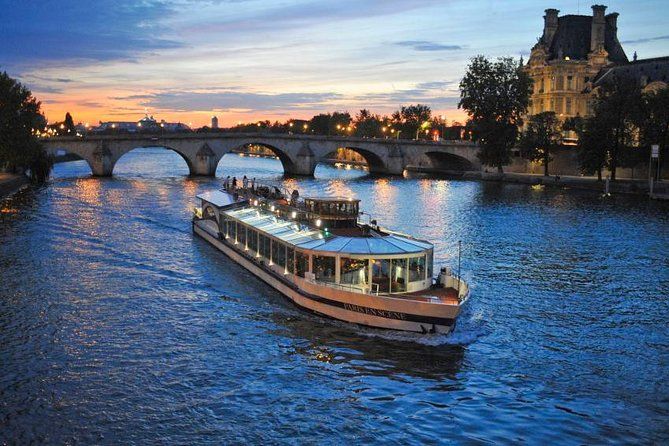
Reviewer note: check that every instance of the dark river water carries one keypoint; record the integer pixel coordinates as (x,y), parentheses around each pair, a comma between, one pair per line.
(118,326)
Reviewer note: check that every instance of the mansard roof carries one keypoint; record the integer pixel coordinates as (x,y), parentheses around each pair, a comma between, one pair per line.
(572,39)
(644,71)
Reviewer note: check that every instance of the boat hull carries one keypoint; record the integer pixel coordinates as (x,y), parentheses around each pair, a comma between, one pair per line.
(363,309)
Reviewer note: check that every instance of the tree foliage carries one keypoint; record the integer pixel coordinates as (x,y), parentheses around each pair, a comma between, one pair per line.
(541,137)
(408,120)
(20,116)
(495,95)
(326,123)
(69,124)
(654,122)
(617,108)
(592,145)
(367,124)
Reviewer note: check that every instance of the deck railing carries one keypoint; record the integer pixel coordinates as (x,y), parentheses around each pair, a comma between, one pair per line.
(349,287)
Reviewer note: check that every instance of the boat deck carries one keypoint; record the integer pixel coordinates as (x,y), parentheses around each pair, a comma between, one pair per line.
(447,296)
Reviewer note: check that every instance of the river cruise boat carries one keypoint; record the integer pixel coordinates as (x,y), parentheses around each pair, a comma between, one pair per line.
(318,253)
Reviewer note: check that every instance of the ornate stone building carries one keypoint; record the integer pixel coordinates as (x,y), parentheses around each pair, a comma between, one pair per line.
(569,56)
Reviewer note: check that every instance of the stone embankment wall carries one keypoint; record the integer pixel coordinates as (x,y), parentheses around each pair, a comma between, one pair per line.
(565,162)
(10,183)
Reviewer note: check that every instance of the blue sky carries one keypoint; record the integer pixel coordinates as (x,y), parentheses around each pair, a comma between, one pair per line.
(251,59)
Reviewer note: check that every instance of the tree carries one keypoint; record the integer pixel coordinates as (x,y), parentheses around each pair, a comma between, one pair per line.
(410,119)
(617,108)
(592,145)
(326,123)
(541,137)
(367,124)
(20,119)
(654,122)
(69,123)
(495,95)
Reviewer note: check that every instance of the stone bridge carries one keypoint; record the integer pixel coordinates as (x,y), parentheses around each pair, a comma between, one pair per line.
(299,154)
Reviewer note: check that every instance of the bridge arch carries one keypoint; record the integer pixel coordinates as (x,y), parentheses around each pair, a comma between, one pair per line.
(122,153)
(84,155)
(287,162)
(448,162)
(375,163)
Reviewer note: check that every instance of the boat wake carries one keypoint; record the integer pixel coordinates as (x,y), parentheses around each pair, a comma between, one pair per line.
(468,331)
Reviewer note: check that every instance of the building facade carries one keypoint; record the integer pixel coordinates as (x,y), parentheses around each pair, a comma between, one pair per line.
(569,57)
(578,53)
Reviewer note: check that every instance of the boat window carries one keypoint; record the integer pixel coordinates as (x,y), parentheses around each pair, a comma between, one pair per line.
(209,213)
(417,269)
(353,271)
(290,259)
(241,234)
(264,246)
(279,253)
(381,274)
(429,265)
(301,263)
(232,230)
(398,275)
(253,240)
(324,268)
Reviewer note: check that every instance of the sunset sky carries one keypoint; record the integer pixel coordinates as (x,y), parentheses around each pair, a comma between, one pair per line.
(184,60)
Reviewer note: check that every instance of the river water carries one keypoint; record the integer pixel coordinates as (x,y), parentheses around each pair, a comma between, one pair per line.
(118,326)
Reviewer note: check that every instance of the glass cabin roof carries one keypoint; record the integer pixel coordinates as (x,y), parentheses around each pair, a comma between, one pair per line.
(305,237)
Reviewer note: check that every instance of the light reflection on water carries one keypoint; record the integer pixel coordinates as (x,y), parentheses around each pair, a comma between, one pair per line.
(118,326)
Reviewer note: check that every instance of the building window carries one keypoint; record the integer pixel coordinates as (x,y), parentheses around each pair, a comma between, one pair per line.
(541,105)
(560,83)
(570,82)
(552,106)
(552,83)
(541,89)
(568,106)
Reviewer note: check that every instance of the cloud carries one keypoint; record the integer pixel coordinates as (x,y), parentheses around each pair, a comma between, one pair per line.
(646,39)
(232,100)
(426,45)
(438,85)
(68,30)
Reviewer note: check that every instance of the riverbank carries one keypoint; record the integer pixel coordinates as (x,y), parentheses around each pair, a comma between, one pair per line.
(10,183)
(620,186)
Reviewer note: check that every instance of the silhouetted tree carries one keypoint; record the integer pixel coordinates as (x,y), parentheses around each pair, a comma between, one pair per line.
(495,95)
(411,118)
(540,138)
(20,119)
(367,124)
(69,123)
(617,107)
(654,122)
(592,145)
(326,123)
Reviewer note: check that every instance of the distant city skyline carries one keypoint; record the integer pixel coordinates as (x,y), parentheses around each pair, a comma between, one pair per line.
(185,60)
